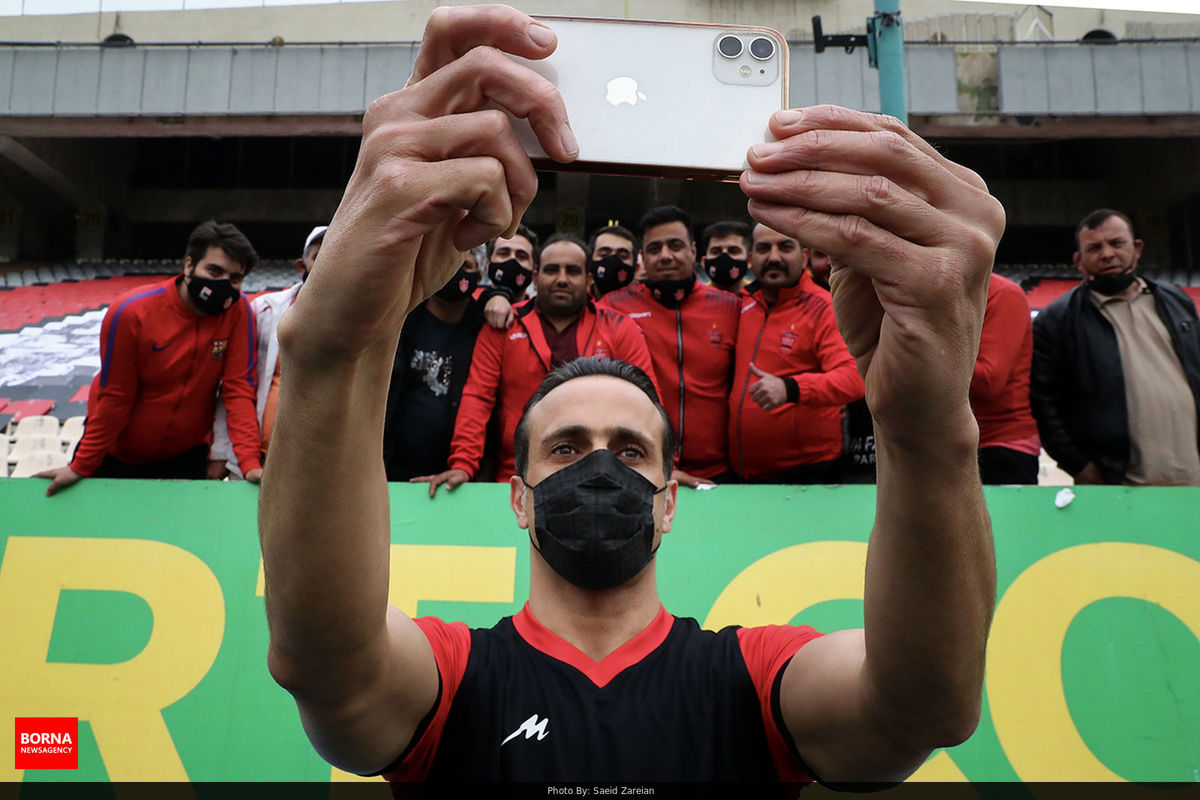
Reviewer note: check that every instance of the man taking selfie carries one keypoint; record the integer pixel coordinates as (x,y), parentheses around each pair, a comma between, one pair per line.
(438,172)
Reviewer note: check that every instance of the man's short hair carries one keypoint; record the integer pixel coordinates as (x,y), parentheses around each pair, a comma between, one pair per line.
(727,227)
(661,215)
(567,237)
(585,367)
(1099,217)
(522,230)
(226,236)
(615,230)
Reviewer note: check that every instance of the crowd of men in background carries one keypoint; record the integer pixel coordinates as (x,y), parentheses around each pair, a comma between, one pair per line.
(736,330)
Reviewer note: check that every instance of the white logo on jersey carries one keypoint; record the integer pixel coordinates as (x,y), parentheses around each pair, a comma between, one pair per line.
(641,314)
(512,337)
(529,727)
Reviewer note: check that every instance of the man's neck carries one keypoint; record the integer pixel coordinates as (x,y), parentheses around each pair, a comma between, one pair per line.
(595,622)
(446,311)
(559,322)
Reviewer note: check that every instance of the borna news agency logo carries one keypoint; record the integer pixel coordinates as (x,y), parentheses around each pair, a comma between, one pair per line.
(46,743)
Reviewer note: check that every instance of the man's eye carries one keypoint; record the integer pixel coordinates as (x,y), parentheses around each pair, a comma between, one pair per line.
(631,453)
(562,450)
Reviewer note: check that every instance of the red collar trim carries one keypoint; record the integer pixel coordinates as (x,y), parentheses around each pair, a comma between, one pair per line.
(600,673)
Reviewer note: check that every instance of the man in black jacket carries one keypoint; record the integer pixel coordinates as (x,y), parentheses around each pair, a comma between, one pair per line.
(1115,385)
(432,361)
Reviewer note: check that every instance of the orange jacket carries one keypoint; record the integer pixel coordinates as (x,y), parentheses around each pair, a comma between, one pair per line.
(796,338)
(507,367)
(1000,384)
(692,350)
(155,396)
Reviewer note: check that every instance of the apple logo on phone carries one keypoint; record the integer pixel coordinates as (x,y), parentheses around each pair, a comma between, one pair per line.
(623,90)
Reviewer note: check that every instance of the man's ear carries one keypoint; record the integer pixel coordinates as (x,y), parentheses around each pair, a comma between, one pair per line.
(1075,258)
(188,266)
(669,497)
(516,499)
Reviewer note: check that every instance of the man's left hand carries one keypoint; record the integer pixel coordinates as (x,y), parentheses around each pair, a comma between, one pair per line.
(769,391)
(254,475)
(217,470)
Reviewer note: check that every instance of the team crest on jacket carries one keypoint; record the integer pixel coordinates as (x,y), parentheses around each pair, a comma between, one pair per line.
(218,349)
(600,350)
(787,340)
(714,336)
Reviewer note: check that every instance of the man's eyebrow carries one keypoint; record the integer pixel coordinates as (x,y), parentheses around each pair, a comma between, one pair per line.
(618,433)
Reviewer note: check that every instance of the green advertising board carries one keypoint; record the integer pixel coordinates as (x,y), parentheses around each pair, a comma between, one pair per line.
(137,607)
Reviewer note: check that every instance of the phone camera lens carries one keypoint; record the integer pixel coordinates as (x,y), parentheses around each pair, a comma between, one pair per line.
(730,46)
(762,48)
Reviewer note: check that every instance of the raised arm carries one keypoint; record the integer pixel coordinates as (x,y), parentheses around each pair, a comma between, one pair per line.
(912,236)
(435,176)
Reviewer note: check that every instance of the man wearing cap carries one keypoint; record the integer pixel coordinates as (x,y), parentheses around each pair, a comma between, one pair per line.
(267,308)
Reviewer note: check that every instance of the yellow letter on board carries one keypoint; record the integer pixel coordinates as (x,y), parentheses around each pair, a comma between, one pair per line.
(123,702)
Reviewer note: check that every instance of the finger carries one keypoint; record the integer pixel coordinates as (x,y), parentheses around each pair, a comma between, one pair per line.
(485,133)
(475,185)
(483,77)
(756,370)
(875,198)
(801,120)
(884,156)
(450,32)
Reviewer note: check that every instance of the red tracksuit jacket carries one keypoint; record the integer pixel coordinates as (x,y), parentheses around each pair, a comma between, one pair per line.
(691,348)
(1000,384)
(507,367)
(796,338)
(160,368)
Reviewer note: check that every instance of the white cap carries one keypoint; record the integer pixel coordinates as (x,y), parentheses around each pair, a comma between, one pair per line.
(315,234)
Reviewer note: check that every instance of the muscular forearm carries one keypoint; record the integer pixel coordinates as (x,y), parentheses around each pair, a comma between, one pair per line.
(930,585)
(324,511)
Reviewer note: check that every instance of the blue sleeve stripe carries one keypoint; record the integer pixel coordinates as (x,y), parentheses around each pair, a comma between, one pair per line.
(112,330)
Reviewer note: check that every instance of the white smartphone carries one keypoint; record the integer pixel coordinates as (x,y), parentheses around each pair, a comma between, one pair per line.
(667,99)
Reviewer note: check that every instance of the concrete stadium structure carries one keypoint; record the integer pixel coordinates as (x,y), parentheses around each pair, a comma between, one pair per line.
(114,149)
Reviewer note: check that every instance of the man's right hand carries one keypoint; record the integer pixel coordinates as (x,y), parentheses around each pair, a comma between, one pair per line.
(1090,476)
(499,312)
(60,479)
(438,172)
(451,477)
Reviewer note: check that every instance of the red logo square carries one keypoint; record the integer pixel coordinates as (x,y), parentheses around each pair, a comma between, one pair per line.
(46,743)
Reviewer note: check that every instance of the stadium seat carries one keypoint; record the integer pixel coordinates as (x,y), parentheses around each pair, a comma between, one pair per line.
(28,408)
(72,429)
(44,425)
(31,445)
(34,463)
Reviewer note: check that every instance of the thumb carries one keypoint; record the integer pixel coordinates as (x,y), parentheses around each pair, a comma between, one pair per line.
(758,371)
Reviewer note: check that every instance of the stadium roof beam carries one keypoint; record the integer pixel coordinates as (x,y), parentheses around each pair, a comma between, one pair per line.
(29,161)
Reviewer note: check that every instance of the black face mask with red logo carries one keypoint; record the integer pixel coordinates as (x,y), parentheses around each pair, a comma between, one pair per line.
(724,269)
(672,292)
(461,286)
(213,296)
(510,275)
(611,273)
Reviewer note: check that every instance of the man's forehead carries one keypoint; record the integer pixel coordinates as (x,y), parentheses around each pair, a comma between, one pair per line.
(727,239)
(597,402)
(764,234)
(674,229)
(563,253)
(517,242)
(613,240)
(1111,228)
(219,258)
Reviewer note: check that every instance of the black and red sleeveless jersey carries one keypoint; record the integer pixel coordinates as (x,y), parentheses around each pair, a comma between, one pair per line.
(675,703)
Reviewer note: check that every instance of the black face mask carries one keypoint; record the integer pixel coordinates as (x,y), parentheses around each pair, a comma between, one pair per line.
(461,286)
(672,292)
(595,521)
(724,269)
(1112,284)
(611,273)
(213,296)
(510,275)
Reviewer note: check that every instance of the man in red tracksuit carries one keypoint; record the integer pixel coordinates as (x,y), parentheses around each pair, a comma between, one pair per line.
(558,325)
(690,330)
(1008,435)
(165,351)
(792,372)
